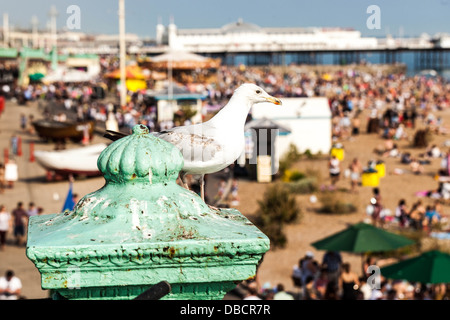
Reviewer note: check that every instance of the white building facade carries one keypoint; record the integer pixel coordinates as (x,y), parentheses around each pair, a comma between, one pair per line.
(241,36)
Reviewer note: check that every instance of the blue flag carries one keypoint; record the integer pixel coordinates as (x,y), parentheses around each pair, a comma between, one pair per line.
(69,204)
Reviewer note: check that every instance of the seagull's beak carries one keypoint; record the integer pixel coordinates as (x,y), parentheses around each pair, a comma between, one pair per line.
(273,100)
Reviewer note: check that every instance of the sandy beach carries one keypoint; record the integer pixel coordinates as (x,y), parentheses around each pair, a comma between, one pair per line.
(277,264)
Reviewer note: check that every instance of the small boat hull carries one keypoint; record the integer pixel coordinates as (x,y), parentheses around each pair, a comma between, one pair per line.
(77,162)
(56,130)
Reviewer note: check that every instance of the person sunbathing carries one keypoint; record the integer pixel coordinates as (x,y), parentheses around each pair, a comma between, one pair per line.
(415,166)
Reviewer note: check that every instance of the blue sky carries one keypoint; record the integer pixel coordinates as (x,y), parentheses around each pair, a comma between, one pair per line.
(407,17)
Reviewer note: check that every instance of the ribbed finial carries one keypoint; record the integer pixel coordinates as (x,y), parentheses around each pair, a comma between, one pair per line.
(140,157)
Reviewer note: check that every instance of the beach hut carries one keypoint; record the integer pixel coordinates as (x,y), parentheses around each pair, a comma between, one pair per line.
(171,100)
(263,134)
(307,119)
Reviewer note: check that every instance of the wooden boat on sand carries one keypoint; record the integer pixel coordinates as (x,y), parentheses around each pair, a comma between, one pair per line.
(61,130)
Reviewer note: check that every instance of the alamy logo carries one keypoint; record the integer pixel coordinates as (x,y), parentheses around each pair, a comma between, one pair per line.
(374,20)
(74,20)
(73,277)
(374,279)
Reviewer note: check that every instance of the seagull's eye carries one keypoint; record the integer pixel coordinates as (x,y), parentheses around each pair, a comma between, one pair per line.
(258,91)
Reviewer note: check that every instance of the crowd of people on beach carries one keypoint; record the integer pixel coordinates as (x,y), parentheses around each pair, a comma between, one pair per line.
(331,278)
(15,220)
(394,102)
(418,215)
(397,105)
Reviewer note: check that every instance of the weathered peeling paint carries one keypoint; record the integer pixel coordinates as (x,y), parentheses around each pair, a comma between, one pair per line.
(150,175)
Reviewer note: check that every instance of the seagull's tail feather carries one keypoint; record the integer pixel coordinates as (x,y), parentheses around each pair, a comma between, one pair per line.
(114,135)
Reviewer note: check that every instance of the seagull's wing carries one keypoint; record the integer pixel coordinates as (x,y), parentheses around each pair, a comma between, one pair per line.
(196,143)
(199,144)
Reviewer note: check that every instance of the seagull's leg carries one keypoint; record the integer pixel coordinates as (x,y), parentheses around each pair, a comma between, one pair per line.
(186,184)
(183,179)
(202,187)
(202,192)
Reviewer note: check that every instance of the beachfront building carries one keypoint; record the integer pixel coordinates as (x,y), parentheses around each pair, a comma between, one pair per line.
(308,121)
(243,36)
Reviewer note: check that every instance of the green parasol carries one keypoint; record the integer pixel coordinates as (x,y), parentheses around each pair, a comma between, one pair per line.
(361,238)
(36,76)
(429,267)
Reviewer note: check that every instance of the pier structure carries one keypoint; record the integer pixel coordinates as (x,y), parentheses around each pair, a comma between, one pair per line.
(241,42)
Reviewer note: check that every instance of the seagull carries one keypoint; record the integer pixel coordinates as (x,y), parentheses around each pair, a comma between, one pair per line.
(213,145)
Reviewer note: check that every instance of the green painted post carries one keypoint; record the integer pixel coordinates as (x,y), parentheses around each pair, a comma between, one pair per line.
(141,228)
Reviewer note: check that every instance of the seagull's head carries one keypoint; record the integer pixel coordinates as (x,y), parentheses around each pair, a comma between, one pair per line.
(256,94)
